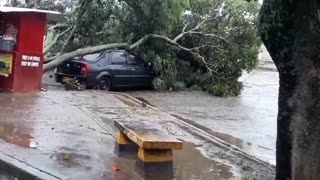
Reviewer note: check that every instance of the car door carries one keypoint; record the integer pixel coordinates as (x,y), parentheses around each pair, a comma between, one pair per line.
(139,72)
(119,68)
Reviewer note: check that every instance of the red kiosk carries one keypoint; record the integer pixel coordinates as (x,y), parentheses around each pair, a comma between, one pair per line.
(22,34)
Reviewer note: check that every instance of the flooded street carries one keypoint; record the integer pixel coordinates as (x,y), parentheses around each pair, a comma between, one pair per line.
(71,134)
(247,121)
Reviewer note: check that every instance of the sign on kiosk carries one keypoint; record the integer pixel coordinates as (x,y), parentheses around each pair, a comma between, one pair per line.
(30,61)
(6,64)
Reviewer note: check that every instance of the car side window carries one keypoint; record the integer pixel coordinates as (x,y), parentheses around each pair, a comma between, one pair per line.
(105,59)
(118,58)
(133,60)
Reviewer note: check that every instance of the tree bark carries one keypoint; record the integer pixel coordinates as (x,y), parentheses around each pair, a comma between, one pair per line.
(291,33)
(80,52)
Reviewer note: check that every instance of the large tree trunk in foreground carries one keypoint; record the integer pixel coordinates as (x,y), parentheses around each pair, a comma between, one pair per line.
(291,33)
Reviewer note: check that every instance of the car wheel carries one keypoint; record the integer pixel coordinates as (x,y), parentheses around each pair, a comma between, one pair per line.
(104,84)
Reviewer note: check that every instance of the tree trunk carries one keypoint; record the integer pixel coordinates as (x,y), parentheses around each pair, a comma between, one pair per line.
(197,58)
(291,33)
(80,52)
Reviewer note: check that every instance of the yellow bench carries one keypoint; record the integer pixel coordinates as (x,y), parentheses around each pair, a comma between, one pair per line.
(154,145)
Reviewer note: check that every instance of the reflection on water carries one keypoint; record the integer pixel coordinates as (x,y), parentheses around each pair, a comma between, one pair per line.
(189,163)
(8,133)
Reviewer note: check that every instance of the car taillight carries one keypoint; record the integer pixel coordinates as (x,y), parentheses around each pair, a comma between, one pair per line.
(85,69)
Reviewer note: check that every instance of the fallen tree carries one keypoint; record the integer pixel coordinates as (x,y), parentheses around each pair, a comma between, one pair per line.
(197,58)
(205,48)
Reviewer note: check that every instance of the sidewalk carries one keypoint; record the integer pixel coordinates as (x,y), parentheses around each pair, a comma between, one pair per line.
(48,132)
(69,135)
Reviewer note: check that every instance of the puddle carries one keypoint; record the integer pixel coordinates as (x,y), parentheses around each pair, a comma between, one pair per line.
(69,159)
(188,163)
(191,164)
(8,133)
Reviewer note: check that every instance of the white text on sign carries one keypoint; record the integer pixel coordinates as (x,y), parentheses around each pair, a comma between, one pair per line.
(30,61)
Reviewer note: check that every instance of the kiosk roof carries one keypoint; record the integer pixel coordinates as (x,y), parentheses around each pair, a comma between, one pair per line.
(52,16)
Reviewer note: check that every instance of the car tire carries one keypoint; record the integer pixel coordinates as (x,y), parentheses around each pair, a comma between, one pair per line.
(104,84)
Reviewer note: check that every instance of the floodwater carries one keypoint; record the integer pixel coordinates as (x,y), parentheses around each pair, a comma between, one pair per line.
(247,121)
(70,135)
(190,164)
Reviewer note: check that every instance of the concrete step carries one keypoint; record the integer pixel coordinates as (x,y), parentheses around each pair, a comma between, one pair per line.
(267,65)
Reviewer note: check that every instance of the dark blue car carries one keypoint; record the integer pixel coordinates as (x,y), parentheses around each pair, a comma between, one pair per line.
(107,69)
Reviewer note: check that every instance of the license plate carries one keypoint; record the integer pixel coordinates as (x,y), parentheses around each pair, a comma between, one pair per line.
(66,79)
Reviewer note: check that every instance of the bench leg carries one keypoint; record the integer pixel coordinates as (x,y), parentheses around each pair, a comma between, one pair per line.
(124,144)
(151,156)
(155,164)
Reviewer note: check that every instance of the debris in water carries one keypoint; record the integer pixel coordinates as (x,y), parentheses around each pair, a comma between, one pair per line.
(66,157)
(91,128)
(116,168)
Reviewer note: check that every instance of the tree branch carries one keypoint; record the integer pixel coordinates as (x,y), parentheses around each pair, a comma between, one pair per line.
(199,25)
(183,33)
(59,25)
(203,46)
(66,43)
(54,41)
(210,35)
(49,59)
(184,28)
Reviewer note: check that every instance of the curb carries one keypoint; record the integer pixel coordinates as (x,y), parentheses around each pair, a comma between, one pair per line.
(267,69)
(22,170)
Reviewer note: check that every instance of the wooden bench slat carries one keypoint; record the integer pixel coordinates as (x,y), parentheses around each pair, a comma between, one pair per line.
(147,135)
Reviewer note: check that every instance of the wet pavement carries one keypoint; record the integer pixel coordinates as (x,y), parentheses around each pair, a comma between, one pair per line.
(6,176)
(247,121)
(70,135)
